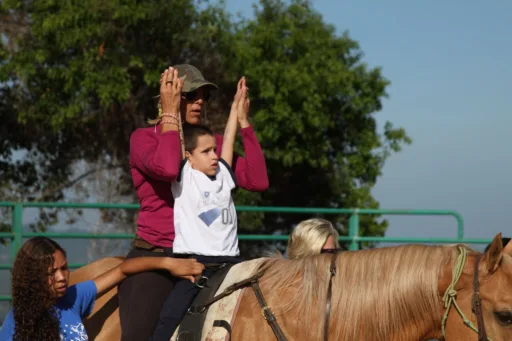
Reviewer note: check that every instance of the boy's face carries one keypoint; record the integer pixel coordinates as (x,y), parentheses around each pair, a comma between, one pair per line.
(204,157)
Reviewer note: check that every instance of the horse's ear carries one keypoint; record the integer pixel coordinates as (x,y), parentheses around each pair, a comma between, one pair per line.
(494,256)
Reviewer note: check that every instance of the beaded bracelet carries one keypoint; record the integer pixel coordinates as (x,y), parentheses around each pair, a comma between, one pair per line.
(168,114)
(170,120)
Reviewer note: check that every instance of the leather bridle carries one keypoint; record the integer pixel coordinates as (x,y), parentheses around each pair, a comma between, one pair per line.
(450,297)
(477,304)
(332,273)
(266,312)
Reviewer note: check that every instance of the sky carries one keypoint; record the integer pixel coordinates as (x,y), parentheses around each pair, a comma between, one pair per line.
(448,63)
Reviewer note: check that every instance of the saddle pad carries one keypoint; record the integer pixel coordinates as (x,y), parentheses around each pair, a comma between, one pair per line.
(191,326)
(226,308)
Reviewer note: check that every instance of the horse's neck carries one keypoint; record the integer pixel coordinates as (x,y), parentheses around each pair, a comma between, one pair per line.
(382,297)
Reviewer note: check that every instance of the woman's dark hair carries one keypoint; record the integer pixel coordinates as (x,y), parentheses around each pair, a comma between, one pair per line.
(191,133)
(34,315)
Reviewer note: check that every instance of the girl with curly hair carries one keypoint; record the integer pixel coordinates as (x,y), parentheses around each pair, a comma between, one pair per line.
(46,309)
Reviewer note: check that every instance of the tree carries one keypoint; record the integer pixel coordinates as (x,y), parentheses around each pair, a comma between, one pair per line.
(80,76)
(313,102)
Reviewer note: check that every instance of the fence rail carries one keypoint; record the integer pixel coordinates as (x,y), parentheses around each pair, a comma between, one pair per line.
(17,234)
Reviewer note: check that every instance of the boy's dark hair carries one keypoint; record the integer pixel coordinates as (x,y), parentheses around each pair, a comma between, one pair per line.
(191,133)
(504,242)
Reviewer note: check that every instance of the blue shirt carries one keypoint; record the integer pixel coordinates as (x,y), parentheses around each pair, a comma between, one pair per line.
(76,303)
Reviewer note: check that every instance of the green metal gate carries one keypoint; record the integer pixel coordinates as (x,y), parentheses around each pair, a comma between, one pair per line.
(16,235)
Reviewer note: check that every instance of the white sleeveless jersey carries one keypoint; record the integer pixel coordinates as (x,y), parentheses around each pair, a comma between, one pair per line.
(205,219)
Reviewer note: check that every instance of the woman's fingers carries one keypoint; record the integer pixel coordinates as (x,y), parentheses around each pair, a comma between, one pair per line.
(239,88)
(170,90)
(243,93)
(179,85)
(162,79)
(174,79)
(168,77)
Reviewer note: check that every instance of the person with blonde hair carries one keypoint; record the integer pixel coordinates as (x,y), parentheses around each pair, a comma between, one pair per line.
(312,237)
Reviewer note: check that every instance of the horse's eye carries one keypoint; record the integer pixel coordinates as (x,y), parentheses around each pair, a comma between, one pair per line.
(504,317)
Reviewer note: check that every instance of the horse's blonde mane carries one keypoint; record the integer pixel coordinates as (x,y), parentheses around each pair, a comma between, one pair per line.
(376,293)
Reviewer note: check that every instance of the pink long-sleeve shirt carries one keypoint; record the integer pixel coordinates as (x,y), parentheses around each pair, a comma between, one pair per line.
(155,162)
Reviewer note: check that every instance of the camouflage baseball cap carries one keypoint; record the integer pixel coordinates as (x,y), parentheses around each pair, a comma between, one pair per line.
(192,78)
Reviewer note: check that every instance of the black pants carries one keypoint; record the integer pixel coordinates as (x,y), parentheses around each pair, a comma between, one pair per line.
(181,297)
(141,297)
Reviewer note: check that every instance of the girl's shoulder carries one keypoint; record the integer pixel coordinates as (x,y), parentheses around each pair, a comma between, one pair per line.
(7,330)
(79,297)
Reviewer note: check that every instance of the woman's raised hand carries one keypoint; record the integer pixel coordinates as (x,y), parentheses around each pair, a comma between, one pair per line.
(170,91)
(238,94)
(243,104)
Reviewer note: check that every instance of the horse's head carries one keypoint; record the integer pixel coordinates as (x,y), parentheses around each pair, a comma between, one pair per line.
(490,297)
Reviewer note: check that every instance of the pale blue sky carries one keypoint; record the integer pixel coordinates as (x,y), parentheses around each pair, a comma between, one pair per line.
(448,62)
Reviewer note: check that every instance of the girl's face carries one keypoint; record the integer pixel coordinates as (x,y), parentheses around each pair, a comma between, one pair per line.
(59,275)
(329,243)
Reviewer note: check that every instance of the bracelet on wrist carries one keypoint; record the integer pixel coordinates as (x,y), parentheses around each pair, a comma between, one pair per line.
(170,120)
(172,115)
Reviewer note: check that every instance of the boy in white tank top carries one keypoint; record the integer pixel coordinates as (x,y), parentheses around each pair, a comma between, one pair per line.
(205,218)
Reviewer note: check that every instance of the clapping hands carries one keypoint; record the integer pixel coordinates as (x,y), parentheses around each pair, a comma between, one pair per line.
(241,103)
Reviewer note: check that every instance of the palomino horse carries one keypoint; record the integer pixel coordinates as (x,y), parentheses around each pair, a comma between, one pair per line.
(403,293)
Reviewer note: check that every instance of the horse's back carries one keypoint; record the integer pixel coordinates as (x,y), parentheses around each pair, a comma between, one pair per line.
(94,269)
(103,323)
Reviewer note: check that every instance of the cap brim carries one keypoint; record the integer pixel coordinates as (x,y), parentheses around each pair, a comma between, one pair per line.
(198,85)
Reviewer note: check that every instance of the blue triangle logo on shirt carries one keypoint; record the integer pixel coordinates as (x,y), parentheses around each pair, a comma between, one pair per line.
(208,217)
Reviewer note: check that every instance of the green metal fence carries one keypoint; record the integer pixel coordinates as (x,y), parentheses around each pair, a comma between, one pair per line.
(353,236)
(17,235)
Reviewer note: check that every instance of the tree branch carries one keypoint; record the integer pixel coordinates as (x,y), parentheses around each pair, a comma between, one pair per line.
(49,193)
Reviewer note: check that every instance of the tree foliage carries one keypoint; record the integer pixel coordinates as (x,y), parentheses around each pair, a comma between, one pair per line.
(314,106)
(79,76)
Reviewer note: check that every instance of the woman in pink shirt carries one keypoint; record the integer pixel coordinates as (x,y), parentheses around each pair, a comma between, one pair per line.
(155,158)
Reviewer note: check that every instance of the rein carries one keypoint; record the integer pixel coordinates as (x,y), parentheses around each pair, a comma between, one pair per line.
(266,312)
(332,271)
(450,298)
